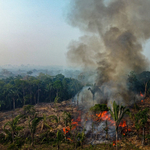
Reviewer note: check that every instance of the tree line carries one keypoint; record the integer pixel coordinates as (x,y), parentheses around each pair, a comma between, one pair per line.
(19,91)
(139,82)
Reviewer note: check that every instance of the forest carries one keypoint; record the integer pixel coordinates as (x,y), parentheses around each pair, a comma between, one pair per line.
(18,91)
(39,117)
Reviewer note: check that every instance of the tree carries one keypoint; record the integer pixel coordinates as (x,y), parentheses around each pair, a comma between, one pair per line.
(33,123)
(14,93)
(67,119)
(140,121)
(45,123)
(144,78)
(59,137)
(49,90)
(29,72)
(58,86)
(93,90)
(117,112)
(13,127)
(81,137)
(139,82)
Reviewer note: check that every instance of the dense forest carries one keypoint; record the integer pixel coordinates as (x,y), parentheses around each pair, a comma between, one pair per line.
(19,91)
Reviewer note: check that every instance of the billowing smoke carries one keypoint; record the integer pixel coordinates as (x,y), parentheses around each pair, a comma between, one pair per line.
(114,33)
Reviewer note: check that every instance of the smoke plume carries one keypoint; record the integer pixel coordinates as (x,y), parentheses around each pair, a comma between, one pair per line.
(114,32)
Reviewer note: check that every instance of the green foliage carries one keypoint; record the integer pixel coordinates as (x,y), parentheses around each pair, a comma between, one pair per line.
(59,138)
(117,112)
(45,122)
(139,82)
(2,138)
(46,137)
(13,128)
(30,90)
(28,109)
(67,118)
(54,118)
(57,99)
(99,107)
(141,118)
(12,146)
(81,137)
(33,123)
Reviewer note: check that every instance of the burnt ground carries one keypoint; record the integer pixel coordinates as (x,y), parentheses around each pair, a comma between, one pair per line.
(129,141)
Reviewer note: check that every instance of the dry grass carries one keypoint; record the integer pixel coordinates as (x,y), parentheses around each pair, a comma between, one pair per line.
(129,142)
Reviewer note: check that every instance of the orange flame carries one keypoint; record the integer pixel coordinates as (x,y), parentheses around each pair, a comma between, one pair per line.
(74,124)
(123,124)
(69,139)
(104,116)
(66,130)
(142,95)
(142,101)
(114,142)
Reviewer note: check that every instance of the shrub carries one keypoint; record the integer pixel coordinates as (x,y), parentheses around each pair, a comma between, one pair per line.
(99,107)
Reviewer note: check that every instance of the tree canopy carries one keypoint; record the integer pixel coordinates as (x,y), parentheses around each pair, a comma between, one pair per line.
(19,91)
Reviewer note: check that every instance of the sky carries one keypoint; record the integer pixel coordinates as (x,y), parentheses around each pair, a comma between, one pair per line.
(36,32)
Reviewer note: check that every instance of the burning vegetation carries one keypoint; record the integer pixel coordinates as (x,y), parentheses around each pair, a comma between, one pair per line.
(114,108)
(74,126)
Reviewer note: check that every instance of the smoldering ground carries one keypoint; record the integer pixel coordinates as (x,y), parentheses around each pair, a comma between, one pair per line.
(114,32)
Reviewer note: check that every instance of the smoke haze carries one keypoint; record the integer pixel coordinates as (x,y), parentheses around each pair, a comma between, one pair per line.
(114,33)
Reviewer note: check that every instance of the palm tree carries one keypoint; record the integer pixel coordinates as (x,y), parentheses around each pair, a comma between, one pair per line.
(67,119)
(49,90)
(81,137)
(13,127)
(33,123)
(59,137)
(45,123)
(93,90)
(58,86)
(117,112)
(14,93)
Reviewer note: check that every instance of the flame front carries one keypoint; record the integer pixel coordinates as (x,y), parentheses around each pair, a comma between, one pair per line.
(74,124)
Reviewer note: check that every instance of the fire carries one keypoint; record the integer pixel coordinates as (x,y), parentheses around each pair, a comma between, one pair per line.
(123,124)
(74,124)
(142,95)
(69,139)
(66,130)
(106,116)
(114,142)
(103,116)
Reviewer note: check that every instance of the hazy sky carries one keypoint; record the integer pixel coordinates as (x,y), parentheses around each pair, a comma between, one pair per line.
(36,32)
